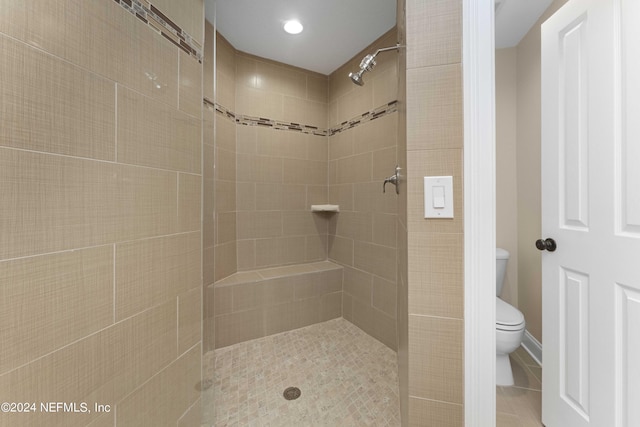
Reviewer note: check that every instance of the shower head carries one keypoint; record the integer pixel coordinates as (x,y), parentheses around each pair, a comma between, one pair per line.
(357,77)
(367,64)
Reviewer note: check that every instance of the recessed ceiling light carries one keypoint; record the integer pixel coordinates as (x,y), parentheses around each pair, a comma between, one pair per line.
(293,27)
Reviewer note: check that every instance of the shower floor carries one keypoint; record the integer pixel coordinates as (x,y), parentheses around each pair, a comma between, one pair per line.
(346,378)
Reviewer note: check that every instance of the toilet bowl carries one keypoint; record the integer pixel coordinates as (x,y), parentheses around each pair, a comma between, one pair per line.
(510,325)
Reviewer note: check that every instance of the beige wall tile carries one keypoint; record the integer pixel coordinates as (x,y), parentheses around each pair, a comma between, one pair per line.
(253,225)
(109,52)
(305,112)
(247,296)
(279,318)
(153,271)
(316,248)
(226,131)
(208,61)
(317,148)
(434,112)
(190,85)
(223,300)
(436,274)
(436,358)
(341,250)
(208,265)
(95,203)
(262,197)
(257,103)
(354,169)
(145,406)
(363,316)
(358,284)
(354,225)
(331,307)
(225,195)
(189,319)
(279,251)
(341,144)
(316,195)
(376,134)
(50,301)
(189,15)
(246,254)
(226,260)
(193,416)
(172,140)
(384,294)
(225,162)
(425,412)
(384,165)
(305,171)
(238,327)
(102,368)
(281,289)
(50,105)
(189,199)
(434,33)
(368,197)
(347,307)
(385,86)
(278,143)
(317,88)
(380,260)
(385,329)
(297,223)
(384,229)
(259,169)
(226,231)
(342,195)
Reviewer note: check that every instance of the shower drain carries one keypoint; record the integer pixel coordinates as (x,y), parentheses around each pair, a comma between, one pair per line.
(292,393)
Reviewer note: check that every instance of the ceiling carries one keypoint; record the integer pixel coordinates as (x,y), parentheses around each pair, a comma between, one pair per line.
(336,30)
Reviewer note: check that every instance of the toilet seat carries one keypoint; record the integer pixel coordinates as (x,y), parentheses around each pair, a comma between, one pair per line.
(508,318)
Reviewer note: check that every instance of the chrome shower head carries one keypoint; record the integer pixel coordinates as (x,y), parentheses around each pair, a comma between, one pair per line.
(367,64)
(357,77)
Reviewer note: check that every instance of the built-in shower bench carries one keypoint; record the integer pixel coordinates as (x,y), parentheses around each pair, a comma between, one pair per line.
(257,303)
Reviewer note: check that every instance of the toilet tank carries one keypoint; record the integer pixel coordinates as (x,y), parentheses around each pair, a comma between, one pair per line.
(502,258)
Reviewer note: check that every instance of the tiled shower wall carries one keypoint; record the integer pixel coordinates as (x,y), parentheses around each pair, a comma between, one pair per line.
(434,115)
(362,237)
(280,173)
(100,235)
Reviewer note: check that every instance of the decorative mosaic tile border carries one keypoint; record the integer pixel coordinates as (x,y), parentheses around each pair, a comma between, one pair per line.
(381,111)
(159,22)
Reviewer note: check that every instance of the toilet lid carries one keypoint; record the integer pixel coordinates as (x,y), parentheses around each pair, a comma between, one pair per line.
(507,316)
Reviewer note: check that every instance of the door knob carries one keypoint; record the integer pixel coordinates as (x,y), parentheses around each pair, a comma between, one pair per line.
(546,244)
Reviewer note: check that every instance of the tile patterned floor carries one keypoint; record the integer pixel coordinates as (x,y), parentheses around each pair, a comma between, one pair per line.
(521,405)
(346,377)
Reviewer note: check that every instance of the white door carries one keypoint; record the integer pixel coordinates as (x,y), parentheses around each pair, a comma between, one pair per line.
(591,208)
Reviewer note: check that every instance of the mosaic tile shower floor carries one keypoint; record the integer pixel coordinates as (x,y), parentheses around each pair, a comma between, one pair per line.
(346,377)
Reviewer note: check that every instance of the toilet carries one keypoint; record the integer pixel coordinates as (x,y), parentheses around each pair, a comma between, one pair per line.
(509,325)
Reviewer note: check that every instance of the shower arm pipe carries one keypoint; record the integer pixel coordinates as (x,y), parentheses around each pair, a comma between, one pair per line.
(384,49)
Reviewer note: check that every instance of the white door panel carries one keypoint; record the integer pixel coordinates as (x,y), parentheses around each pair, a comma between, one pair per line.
(591,208)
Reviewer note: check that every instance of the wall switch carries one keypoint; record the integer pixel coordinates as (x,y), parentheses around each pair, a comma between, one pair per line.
(438,197)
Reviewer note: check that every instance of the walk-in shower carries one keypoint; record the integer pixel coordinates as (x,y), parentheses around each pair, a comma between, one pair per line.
(368,63)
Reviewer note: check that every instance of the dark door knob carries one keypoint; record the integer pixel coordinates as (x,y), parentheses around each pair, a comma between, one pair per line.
(546,244)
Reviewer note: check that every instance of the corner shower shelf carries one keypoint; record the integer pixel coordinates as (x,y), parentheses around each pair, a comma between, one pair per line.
(325,208)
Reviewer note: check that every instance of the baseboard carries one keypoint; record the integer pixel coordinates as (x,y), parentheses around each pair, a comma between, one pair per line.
(532,346)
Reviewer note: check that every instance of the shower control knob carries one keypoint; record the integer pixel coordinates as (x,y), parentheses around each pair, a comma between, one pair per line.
(546,244)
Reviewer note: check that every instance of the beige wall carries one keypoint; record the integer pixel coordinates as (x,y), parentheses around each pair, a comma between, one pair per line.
(100,247)
(435,278)
(362,237)
(280,173)
(528,174)
(506,182)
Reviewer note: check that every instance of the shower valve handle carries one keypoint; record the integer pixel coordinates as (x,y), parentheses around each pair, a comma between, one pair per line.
(393,179)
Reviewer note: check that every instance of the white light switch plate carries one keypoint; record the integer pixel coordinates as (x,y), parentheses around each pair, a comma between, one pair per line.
(438,197)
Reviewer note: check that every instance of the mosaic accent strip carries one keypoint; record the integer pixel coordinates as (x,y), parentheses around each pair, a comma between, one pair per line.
(381,111)
(150,15)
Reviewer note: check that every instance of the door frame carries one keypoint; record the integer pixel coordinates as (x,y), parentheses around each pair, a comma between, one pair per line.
(478,51)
